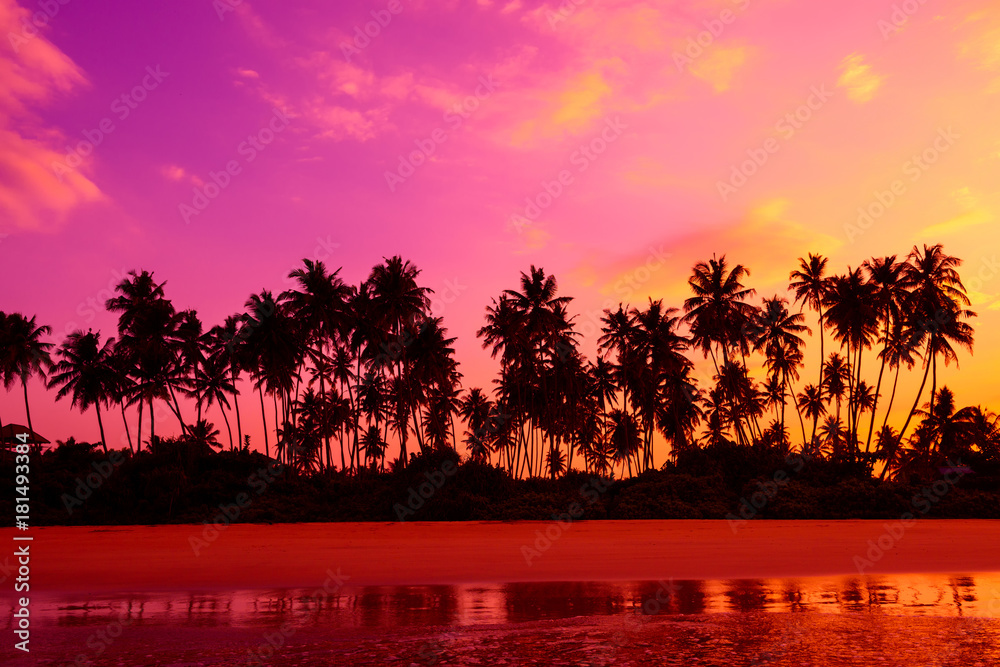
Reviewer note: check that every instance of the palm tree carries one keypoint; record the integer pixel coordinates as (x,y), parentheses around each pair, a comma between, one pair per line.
(813,405)
(775,331)
(86,372)
(936,314)
(275,347)
(24,354)
(854,317)
(718,313)
(810,287)
(211,383)
(885,274)
(146,344)
(320,307)
(396,301)
(226,345)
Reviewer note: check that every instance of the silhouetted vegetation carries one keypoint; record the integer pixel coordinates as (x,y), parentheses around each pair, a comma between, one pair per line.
(343,374)
(180,481)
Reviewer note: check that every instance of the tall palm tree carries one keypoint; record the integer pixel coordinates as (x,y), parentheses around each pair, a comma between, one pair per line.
(853,316)
(319,303)
(775,332)
(86,373)
(718,312)
(885,274)
(226,344)
(936,314)
(810,285)
(25,354)
(275,347)
(146,340)
(396,301)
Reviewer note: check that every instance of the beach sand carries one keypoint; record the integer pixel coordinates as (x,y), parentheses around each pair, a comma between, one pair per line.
(142,558)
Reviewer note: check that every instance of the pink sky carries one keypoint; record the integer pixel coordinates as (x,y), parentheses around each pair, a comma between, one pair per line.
(670,121)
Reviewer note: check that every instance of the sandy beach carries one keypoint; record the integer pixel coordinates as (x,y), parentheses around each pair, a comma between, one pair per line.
(140,558)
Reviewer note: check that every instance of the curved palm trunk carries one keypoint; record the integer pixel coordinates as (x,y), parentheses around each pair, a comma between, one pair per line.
(152,423)
(909,417)
(236,406)
(822,362)
(263,417)
(892,397)
(228,428)
(871,422)
(177,410)
(138,435)
(128,434)
(100,425)
(27,408)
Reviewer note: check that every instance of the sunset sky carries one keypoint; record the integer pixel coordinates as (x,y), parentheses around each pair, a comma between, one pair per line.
(611,142)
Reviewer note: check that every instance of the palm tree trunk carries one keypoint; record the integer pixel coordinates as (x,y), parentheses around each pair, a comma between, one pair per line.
(100,425)
(878,387)
(236,405)
(121,404)
(228,428)
(892,397)
(27,408)
(263,417)
(138,435)
(909,417)
(177,409)
(152,423)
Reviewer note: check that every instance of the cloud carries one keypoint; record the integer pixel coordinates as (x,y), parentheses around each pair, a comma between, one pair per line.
(767,241)
(719,65)
(974,214)
(858,79)
(32,75)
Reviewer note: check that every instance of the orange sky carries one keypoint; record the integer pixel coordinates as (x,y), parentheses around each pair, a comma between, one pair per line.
(643,119)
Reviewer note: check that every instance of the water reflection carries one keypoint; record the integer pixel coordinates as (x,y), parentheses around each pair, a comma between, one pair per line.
(385,606)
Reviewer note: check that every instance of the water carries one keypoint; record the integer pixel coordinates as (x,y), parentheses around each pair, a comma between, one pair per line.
(141,596)
(905,619)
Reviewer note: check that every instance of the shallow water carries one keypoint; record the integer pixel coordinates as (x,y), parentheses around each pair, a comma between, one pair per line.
(959,596)
(893,620)
(601,595)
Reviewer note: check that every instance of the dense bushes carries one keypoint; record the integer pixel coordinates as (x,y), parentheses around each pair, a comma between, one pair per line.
(177,483)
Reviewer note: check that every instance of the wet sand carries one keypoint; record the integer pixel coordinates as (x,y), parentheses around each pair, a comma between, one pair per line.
(147,558)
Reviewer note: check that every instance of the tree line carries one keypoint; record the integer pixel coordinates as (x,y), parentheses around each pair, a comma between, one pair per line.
(341,372)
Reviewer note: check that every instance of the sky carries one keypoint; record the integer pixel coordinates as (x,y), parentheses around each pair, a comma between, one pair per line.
(612,142)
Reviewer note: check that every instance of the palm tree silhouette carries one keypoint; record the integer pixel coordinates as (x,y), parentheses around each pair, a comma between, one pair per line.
(810,287)
(25,354)
(935,304)
(86,373)
(853,316)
